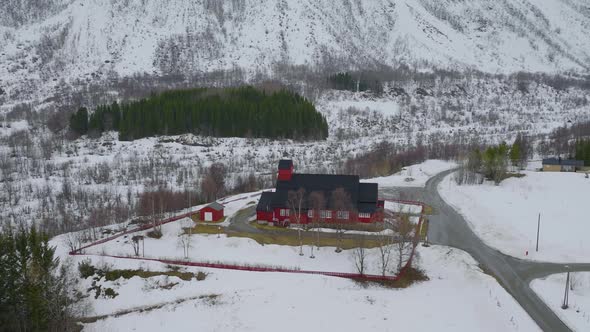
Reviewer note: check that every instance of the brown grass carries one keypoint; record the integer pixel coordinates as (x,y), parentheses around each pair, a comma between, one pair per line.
(195,218)
(410,277)
(127,274)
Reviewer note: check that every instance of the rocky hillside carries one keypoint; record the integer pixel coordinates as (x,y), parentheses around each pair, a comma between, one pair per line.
(42,42)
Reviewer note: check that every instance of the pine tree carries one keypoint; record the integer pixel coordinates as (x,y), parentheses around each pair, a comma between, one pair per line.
(34,294)
(79,121)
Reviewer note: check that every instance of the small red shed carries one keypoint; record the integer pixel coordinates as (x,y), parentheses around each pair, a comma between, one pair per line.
(212,212)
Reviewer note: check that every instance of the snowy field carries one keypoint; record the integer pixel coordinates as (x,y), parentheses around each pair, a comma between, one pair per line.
(505,216)
(414,175)
(458,297)
(238,250)
(551,289)
(230,250)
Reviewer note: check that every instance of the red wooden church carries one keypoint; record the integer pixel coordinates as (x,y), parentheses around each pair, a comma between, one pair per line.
(274,207)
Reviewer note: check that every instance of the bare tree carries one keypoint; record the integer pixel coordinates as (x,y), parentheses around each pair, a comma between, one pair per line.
(317,204)
(385,253)
(404,239)
(135,243)
(295,201)
(74,241)
(341,203)
(359,256)
(185,237)
(156,223)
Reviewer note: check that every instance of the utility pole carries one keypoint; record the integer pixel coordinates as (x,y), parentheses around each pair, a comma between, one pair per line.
(538,228)
(426,243)
(189,201)
(300,240)
(565,304)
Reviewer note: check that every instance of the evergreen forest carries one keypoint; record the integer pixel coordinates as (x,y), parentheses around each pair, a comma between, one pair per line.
(221,112)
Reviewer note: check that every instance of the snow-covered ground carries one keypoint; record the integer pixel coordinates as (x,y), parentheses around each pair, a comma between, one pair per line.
(505,216)
(414,175)
(238,250)
(403,208)
(458,297)
(552,288)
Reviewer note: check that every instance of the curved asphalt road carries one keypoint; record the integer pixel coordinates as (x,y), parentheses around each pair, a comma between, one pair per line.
(447,227)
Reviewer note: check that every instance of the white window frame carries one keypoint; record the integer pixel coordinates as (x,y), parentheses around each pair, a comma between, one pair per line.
(343,215)
(284,212)
(310,213)
(364,215)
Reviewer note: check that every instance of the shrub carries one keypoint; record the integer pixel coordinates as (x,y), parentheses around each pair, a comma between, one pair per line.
(109,292)
(86,269)
(155,234)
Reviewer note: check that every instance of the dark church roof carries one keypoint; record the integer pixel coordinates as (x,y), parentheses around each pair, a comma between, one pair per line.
(368,192)
(264,202)
(362,195)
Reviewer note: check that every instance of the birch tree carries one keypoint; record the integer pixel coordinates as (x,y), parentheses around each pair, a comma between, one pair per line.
(317,204)
(295,201)
(359,256)
(404,239)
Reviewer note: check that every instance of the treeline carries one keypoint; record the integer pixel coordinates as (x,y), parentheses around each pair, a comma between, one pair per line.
(493,162)
(384,159)
(228,112)
(567,142)
(355,82)
(582,150)
(156,204)
(490,162)
(36,293)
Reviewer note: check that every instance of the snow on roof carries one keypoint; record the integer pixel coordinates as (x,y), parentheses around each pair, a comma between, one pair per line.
(215,206)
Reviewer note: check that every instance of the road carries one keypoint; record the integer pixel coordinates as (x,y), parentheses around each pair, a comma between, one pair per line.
(447,227)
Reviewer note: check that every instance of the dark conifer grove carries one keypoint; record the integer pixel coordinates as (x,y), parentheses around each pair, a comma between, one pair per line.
(229,112)
(583,151)
(36,293)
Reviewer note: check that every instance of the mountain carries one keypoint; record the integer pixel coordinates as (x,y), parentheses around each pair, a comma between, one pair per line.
(44,41)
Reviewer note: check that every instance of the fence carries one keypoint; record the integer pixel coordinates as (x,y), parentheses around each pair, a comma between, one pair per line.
(357,276)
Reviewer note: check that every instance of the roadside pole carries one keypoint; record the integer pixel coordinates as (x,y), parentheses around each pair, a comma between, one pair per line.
(538,229)
(565,304)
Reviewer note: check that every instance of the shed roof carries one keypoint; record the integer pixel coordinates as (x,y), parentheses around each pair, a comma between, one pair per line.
(215,206)
(563,162)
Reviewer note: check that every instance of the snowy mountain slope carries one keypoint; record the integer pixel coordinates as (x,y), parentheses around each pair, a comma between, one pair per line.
(85,38)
